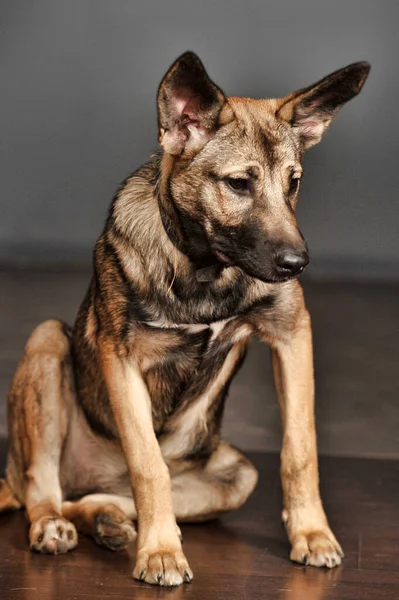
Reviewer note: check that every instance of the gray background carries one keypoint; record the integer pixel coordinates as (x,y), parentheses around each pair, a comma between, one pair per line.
(78,84)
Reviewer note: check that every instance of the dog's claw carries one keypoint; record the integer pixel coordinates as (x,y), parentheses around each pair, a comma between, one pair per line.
(187,577)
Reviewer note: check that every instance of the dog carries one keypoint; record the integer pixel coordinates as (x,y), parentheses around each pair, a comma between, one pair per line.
(118,419)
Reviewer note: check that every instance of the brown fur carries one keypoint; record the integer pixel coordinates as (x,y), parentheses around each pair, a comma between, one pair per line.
(121,418)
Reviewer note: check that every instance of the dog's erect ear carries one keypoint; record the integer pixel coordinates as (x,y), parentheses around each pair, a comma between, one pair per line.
(311,110)
(189,106)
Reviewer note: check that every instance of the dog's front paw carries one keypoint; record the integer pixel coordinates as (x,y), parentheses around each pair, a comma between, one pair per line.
(165,567)
(313,542)
(52,535)
(317,548)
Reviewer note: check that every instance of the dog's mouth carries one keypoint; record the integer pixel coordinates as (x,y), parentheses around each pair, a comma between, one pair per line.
(211,271)
(269,273)
(222,257)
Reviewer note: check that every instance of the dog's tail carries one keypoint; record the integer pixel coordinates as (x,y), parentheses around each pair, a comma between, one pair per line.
(7,499)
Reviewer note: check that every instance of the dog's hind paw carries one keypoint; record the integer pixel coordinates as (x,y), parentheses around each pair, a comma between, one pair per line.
(113,529)
(52,535)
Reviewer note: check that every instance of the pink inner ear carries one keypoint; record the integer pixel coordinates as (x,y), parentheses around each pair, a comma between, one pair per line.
(311,128)
(319,101)
(188,130)
(325,98)
(186,108)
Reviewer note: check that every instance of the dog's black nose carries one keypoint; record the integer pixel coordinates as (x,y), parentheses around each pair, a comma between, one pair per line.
(290,262)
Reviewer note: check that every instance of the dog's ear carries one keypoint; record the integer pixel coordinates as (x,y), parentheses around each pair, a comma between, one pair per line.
(310,111)
(189,106)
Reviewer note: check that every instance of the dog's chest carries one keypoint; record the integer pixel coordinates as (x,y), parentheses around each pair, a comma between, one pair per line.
(186,360)
(212,330)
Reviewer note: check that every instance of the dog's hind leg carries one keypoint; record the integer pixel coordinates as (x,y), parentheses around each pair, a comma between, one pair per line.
(39,408)
(223,484)
(105,517)
(199,494)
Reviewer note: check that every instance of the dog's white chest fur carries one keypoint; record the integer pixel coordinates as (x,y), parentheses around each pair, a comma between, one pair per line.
(216,327)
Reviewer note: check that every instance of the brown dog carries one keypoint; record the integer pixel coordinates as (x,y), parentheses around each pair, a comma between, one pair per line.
(200,253)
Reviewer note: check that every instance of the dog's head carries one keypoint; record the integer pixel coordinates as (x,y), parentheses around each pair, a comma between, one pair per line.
(232,166)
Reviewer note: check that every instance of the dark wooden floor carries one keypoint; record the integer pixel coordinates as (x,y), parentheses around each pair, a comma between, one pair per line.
(241,556)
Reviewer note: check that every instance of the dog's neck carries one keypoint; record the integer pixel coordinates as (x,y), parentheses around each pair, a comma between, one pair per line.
(183,231)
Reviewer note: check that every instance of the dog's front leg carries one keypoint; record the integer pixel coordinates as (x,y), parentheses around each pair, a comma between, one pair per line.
(310,535)
(160,559)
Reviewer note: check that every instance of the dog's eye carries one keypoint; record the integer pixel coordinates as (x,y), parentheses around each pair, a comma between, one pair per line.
(238,184)
(294,184)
